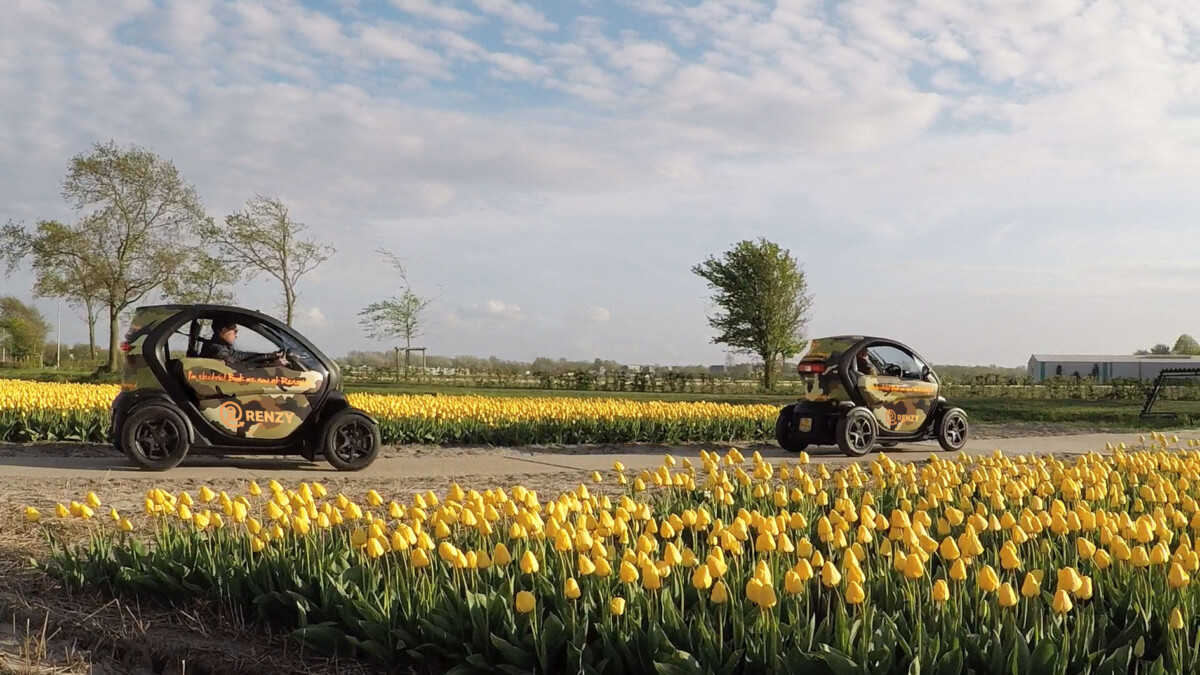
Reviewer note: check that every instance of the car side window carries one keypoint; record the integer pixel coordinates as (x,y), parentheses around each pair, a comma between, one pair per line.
(250,339)
(897,362)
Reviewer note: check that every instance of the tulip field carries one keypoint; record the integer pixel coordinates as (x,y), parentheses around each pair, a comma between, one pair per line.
(31,411)
(731,565)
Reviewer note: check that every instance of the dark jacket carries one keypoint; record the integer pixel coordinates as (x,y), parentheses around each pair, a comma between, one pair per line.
(217,348)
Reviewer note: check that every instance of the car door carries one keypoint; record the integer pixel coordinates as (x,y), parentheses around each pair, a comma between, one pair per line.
(256,402)
(901,396)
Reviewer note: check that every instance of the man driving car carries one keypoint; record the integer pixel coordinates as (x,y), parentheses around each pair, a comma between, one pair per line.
(220,346)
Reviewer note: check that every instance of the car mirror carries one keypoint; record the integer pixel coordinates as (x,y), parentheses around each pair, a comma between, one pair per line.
(925,372)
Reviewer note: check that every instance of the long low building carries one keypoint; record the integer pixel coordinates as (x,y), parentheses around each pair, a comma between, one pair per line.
(1106,367)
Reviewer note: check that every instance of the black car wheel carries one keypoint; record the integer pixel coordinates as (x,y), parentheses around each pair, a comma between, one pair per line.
(155,437)
(783,431)
(856,432)
(952,430)
(351,442)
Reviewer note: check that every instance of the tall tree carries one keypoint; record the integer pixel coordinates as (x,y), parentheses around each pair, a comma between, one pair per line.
(400,316)
(761,293)
(22,328)
(138,221)
(74,278)
(263,238)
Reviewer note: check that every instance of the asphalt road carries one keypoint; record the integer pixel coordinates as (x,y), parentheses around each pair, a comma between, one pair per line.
(443,463)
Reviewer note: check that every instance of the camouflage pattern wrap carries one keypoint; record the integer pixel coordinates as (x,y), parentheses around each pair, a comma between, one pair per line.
(136,374)
(829,349)
(826,386)
(898,405)
(268,402)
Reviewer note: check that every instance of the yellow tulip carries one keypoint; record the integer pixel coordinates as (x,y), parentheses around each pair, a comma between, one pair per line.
(854,593)
(1061,602)
(941,592)
(1007,596)
(525,602)
(1176,621)
(720,593)
(571,589)
(32,515)
(529,563)
(1178,577)
(1031,587)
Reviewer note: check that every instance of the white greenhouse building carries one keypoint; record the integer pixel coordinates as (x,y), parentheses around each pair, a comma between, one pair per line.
(1105,367)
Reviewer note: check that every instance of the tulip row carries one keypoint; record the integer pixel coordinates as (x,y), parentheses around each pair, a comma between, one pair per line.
(732,566)
(55,411)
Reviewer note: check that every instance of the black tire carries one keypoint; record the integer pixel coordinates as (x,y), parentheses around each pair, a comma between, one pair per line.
(155,437)
(351,441)
(952,429)
(888,444)
(856,432)
(783,431)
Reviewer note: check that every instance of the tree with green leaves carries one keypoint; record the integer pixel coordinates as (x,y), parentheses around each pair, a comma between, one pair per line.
(75,279)
(137,227)
(1186,345)
(763,304)
(400,316)
(205,280)
(1160,348)
(22,329)
(263,238)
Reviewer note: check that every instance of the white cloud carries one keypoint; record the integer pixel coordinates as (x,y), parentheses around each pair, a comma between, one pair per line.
(517,13)
(441,13)
(609,156)
(595,315)
(310,318)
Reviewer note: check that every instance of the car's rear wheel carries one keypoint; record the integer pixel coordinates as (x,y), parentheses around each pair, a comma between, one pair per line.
(155,437)
(783,431)
(351,442)
(856,432)
(952,430)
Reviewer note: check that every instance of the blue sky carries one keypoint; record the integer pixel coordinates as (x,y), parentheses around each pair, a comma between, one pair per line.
(982,180)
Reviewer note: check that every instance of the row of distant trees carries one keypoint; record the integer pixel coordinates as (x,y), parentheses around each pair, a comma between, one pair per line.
(141,230)
(1185,345)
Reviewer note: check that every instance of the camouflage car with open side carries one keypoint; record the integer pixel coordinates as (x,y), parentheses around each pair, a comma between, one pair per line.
(173,401)
(862,391)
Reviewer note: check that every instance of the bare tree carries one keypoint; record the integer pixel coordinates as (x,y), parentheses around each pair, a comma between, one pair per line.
(264,239)
(400,316)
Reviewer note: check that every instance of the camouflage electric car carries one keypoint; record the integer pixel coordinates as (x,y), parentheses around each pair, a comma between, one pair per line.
(285,401)
(861,391)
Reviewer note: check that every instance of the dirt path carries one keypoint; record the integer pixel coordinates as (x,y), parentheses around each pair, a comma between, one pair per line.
(41,474)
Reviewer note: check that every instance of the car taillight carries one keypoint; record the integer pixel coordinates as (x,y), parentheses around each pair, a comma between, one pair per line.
(810,368)
(125,346)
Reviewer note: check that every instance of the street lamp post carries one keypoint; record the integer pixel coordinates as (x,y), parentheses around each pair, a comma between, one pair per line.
(58,339)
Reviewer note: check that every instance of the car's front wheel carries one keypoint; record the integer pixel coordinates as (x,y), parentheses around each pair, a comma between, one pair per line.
(952,430)
(351,441)
(783,431)
(856,432)
(155,437)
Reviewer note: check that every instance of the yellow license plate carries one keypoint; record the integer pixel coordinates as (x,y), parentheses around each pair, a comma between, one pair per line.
(805,424)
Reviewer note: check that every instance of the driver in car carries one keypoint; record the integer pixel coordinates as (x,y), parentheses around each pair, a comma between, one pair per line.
(862,362)
(220,346)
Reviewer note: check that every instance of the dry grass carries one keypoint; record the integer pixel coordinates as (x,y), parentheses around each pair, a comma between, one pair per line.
(49,630)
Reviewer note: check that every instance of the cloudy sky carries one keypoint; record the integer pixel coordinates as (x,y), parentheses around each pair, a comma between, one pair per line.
(982,180)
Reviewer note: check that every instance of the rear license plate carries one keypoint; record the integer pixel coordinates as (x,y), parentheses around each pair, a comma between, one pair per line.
(805,424)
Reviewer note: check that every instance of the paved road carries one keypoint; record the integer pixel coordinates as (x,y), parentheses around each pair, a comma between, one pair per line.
(443,463)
